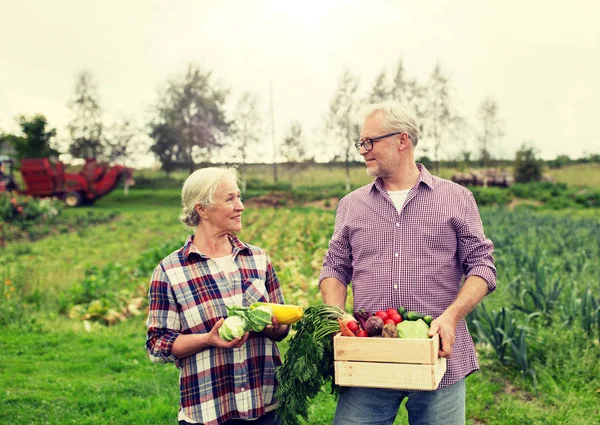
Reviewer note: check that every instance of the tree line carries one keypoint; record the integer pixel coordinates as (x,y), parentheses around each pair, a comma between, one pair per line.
(190,123)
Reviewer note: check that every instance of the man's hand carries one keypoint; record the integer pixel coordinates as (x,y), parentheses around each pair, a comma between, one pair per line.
(216,341)
(471,293)
(446,327)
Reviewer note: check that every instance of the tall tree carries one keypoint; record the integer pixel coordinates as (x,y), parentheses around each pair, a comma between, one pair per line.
(441,119)
(341,124)
(85,127)
(36,141)
(398,88)
(490,131)
(294,150)
(247,128)
(380,90)
(407,90)
(190,120)
(121,139)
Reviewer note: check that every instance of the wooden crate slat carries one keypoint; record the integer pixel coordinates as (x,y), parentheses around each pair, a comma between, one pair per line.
(390,375)
(387,350)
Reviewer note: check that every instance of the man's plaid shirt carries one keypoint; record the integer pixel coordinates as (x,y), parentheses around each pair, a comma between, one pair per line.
(189,294)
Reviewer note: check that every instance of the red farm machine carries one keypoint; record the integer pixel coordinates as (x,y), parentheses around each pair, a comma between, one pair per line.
(43,178)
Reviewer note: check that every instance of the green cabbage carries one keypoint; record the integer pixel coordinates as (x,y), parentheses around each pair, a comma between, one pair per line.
(413,329)
(259,317)
(233,327)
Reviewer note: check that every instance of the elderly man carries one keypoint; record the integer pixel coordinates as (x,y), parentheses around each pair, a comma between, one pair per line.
(414,240)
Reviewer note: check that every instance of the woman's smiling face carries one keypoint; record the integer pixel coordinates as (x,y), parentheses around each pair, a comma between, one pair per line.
(225,214)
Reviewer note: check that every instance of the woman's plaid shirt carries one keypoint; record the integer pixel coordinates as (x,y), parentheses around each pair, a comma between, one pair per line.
(415,258)
(189,294)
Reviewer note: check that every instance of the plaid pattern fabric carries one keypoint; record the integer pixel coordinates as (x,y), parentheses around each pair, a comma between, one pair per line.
(416,258)
(189,294)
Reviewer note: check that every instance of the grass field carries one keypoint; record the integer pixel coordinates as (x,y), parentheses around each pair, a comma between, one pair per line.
(55,371)
(584,175)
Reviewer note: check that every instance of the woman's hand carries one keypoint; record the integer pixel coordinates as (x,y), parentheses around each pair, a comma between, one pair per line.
(275,331)
(216,341)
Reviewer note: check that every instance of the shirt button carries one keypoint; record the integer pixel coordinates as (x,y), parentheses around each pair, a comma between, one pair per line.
(396,255)
(395,286)
(242,389)
(397,224)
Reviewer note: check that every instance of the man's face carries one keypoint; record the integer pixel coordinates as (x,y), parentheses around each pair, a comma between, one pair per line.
(384,159)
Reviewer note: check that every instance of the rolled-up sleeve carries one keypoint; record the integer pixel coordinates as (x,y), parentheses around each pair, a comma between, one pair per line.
(338,258)
(474,248)
(163,318)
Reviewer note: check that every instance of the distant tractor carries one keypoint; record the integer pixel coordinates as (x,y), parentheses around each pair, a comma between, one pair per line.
(45,179)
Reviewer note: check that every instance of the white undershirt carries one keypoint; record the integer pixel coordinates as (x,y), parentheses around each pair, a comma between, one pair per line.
(226,264)
(398,197)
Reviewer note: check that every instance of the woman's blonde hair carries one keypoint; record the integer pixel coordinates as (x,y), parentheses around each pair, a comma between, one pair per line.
(200,188)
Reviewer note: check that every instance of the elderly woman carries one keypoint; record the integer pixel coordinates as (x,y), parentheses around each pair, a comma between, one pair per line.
(221,382)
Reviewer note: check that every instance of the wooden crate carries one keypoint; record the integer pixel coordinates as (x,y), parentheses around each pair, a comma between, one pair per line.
(399,363)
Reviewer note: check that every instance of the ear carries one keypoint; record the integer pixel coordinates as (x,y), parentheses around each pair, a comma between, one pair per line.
(405,141)
(201,210)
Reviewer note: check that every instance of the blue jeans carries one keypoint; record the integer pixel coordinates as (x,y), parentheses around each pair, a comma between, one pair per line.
(374,406)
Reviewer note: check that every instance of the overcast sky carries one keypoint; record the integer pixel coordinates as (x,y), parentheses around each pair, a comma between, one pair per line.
(538,59)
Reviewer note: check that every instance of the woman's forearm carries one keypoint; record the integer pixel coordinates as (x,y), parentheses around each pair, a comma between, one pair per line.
(186,345)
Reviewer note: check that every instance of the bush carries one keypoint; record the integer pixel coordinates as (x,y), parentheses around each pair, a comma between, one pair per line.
(491,195)
(589,198)
(25,217)
(21,210)
(527,167)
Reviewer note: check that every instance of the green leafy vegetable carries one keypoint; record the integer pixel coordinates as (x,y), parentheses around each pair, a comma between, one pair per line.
(308,363)
(259,317)
(413,329)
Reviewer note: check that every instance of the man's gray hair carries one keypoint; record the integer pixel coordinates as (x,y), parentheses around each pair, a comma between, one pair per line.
(200,188)
(395,117)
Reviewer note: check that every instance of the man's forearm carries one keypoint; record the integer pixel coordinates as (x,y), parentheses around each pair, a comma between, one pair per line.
(334,292)
(472,292)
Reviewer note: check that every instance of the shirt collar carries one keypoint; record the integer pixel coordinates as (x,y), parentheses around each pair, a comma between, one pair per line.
(424,177)
(189,248)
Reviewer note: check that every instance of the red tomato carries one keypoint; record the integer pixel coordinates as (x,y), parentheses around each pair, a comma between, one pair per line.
(391,311)
(389,322)
(362,333)
(382,314)
(353,326)
(396,318)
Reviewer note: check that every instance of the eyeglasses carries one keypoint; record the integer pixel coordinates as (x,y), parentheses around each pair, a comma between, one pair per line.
(368,143)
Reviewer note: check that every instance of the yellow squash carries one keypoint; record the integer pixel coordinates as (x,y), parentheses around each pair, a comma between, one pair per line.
(286,313)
